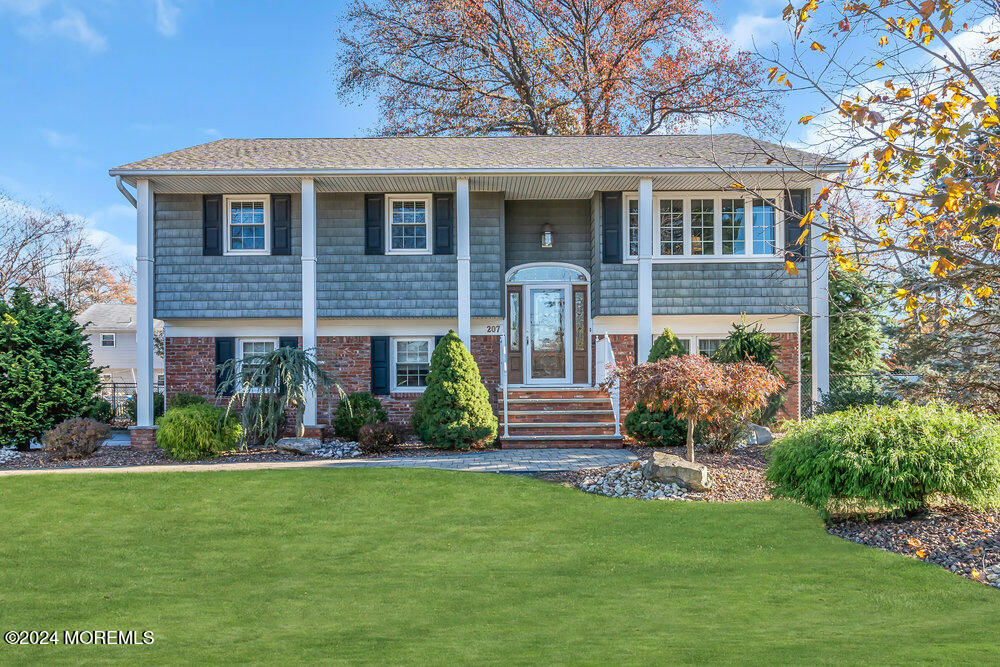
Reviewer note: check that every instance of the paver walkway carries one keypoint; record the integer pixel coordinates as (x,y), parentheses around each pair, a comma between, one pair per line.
(504,461)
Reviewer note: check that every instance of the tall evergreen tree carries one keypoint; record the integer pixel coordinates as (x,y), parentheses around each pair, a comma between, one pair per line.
(454,411)
(856,326)
(47,373)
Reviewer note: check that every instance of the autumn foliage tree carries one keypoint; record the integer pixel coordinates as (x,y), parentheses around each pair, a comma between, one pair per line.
(910,90)
(540,67)
(697,390)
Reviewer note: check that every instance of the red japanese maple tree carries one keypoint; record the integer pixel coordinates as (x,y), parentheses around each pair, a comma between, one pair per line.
(697,390)
(523,67)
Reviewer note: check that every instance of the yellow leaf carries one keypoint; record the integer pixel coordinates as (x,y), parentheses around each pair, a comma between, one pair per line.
(805,119)
(984,292)
(880,64)
(790,268)
(736,185)
(921,554)
(975,574)
(883,40)
(816,46)
(991,101)
(990,121)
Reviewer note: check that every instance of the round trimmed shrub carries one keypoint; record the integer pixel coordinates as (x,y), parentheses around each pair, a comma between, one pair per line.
(454,411)
(198,432)
(355,411)
(656,428)
(892,458)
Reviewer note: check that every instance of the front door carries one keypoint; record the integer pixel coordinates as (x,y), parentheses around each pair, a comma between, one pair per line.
(547,335)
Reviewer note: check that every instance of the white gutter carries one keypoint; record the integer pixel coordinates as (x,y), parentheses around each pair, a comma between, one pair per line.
(460,171)
(128,195)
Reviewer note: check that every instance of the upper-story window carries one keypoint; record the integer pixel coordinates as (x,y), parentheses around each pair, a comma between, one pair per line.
(733,226)
(409,223)
(707,224)
(248,225)
(671,226)
(107,340)
(763,227)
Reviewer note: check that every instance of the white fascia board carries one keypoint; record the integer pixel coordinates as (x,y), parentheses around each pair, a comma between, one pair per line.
(327,327)
(465,171)
(694,325)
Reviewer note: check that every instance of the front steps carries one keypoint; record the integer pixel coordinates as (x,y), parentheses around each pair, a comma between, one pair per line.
(551,417)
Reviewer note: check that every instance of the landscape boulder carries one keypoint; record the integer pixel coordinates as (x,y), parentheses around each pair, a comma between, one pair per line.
(670,469)
(759,435)
(306,446)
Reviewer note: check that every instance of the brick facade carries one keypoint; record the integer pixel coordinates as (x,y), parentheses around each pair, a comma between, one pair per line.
(142,437)
(190,368)
(789,365)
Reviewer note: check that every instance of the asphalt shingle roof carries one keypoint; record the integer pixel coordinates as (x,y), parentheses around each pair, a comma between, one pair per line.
(489,153)
(111,317)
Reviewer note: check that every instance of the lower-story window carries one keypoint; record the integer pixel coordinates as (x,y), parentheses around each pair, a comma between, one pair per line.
(411,361)
(248,348)
(708,346)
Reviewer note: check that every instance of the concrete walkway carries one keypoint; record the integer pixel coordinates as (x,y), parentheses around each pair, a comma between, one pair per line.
(517,461)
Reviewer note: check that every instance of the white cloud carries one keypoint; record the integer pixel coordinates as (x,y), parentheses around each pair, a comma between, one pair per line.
(211,132)
(73,25)
(24,7)
(167,14)
(758,30)
(60,141)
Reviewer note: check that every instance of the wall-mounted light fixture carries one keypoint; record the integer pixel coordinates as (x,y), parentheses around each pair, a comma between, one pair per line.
(546,235)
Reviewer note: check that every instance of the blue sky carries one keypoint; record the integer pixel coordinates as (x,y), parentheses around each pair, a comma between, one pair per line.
(89,85)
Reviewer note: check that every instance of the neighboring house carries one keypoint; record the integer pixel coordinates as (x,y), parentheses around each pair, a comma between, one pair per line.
(535,250)
(110,328)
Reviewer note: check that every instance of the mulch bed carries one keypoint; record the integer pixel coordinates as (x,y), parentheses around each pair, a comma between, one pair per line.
(116,456)
(959,539)
(738,475)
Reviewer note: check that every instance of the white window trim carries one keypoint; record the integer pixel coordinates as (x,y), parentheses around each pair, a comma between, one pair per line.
(114,340)
(394,388)
(717,257)
(694,340)
(266,200)
(428,220)
(239,352)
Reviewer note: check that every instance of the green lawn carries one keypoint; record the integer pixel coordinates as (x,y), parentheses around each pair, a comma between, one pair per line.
(372,565)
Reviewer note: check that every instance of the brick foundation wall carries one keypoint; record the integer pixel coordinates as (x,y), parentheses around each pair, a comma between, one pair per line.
(190,368)
(142,437)
(788,364)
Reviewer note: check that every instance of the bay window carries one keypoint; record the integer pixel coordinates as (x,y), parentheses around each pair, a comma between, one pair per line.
(671,226)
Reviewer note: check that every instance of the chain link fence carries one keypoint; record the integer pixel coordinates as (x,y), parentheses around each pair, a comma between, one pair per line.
(120,395)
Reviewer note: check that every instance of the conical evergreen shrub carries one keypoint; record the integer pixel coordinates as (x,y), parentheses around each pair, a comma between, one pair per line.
(658,429)
(454,411)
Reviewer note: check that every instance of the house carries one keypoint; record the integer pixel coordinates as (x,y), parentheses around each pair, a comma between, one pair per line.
(110,329)
(551,257)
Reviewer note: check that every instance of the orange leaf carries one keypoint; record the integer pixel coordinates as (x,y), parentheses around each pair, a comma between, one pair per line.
(816,46)
(805,119)
(913,542)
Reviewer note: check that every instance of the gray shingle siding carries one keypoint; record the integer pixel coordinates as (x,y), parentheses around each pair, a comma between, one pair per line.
(728,289)
(570,220)
(352,284)
(619,290)
(188,284)
(486,243)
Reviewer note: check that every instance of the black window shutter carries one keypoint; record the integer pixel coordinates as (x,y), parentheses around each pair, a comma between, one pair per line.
(288,341)
(611,227)
(281,224)
(380,365)
(444,224)
(211,224)
(635,350)
(795,208)
(225,350)
(437,340)
(374,224)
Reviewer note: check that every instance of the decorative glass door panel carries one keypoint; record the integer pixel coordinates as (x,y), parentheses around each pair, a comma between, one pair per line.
(547,333)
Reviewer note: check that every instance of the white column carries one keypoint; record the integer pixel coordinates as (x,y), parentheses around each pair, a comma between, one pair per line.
(464,262)
(144,303)
(819,304)
(646,232)
(309,289)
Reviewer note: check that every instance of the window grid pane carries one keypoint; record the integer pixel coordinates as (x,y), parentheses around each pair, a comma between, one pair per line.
(702,226)
(708,346)
(763,227)
(732,227)
(671,227)
(409,225)
(633,227)
(246,225)
(412,363)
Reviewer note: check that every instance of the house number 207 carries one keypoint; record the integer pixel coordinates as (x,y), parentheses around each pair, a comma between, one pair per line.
(493,328)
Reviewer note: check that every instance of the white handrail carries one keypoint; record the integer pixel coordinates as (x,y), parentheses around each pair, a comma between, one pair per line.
(503,381)
(614,392)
